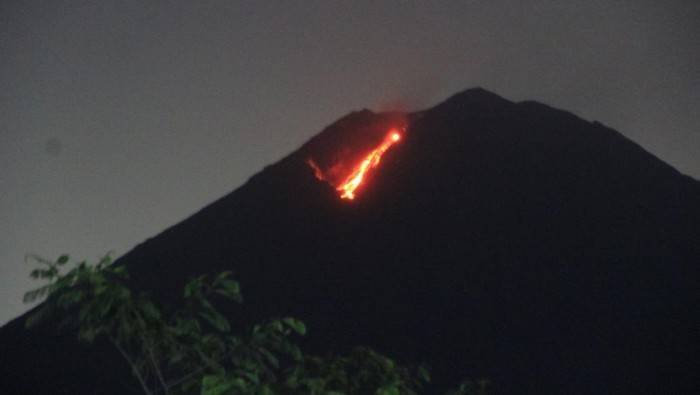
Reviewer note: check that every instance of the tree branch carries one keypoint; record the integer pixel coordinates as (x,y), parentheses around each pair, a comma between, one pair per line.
(156,369)
(134,369)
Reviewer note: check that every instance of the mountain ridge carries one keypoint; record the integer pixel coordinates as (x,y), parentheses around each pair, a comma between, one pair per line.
(508,240)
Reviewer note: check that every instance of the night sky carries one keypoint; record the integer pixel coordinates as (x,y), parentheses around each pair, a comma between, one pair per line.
(119,119)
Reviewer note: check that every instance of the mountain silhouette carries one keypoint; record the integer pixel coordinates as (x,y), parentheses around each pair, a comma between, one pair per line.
(512,241)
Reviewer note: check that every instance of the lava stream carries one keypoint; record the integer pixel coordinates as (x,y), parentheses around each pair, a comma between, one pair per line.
(354,180)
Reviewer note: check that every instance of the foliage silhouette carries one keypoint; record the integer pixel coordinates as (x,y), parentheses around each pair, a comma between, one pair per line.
(192,349)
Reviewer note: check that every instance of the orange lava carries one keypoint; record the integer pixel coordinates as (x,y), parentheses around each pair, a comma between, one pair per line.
(354,180)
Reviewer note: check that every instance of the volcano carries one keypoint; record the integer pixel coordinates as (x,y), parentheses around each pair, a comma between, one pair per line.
(496,239)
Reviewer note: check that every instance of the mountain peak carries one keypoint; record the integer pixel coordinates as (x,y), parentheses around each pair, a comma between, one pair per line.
(515,242)
(476,97)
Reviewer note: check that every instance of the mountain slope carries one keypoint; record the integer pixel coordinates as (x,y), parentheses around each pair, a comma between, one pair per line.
(498,239)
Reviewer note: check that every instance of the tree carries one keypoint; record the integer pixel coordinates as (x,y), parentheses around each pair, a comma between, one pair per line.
(192,348)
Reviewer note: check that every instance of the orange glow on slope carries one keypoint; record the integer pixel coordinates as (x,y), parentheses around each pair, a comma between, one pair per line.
(354,180)
(317,170)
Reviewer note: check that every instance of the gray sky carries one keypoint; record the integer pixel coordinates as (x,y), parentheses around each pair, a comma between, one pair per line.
(118,119)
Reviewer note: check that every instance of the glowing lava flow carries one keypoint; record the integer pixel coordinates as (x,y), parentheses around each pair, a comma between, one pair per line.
(348,187)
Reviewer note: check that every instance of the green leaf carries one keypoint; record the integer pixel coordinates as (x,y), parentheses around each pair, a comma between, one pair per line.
(119,271)
(423,374)
(217,385)
(391,390)
(216,320)
(230,289)
(252,377)
(62,260)
(123,293)
(106,260)
(35,294)
(70,298)
(175,357)
(33,258)
(296,325)
(265,390)
(222,276)
(187,327)
(193,287)
(276,326)
(270,357)
(149,310)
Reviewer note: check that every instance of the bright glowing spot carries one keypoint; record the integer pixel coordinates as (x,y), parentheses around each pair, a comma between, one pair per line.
(354,180)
